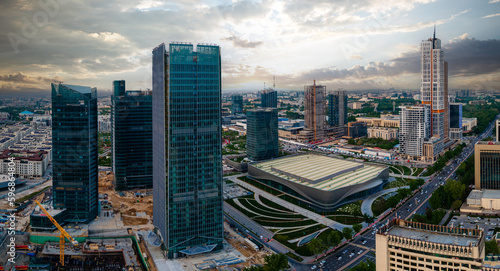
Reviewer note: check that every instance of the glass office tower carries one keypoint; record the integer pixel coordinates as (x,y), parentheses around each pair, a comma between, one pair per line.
(337,108)
(262,134)
(237,106)
(187,152)
(132,137)
(269,98)
(74,151)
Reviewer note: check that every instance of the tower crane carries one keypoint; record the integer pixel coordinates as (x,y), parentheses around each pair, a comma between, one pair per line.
(63,235)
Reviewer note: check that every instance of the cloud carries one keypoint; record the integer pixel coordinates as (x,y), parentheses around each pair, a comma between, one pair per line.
(494,1)
(239,42)
(492,15)
(22,78)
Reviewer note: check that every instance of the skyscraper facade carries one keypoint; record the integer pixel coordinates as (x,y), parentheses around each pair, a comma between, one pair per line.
(414,129)
(187,153)
(74,151)
(262,134)
(497,128)
(455,121)
(237,106)
(315,110)
(132,137)
(337,108)
(432,87)
(487,165)
(446,102)
(269,98)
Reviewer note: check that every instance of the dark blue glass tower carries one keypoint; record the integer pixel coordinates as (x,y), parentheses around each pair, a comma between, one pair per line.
(187,154)
(132,137)
(337,109)
(269,98)
(74,151)
(262,134)
(237,107)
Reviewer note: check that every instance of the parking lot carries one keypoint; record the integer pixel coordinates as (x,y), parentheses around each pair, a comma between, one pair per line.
(473,222)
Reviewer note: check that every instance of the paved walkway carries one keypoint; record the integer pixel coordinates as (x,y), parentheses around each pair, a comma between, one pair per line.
(366,206)
(247,222)
(407,176)
(311,215)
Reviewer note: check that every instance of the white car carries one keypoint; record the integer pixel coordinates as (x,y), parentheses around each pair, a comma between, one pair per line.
(314,267)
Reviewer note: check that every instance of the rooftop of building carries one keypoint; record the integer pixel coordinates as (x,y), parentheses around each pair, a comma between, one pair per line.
(432,233)
(488,143)
(53,212)
(435,237)
(320,172)
(22,154)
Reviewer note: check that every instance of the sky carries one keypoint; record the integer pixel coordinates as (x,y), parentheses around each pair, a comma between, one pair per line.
(348,44)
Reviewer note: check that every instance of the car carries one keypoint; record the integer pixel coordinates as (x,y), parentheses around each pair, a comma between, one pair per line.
(350,255)
(339,258)
(345,251)
(314,267)
(361,251)
(364,242)
(322,262)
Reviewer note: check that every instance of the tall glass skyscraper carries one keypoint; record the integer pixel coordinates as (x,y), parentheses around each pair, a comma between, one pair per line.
(269,98)
(337,108)
(187,152)
(132,137)
(262,134)
(237,106)
(74,151)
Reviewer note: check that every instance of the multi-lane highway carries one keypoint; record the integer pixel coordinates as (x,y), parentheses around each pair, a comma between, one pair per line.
(360,249)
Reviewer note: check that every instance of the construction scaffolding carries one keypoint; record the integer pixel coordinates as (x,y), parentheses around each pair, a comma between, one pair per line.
(315,110)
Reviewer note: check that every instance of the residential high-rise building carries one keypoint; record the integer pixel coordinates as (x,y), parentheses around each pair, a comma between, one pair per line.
(414,129)
(237,106)
(269,98)
(314,114)
(132,137)
(405,245)
(487,165)
(456,121)
(337,108)
(74,151)
(187,148)
(262,134)
(433,84)
(446,102)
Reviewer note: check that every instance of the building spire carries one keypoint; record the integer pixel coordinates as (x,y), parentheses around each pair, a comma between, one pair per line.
(434,32)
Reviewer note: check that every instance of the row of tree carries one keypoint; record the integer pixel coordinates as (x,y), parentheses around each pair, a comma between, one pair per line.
(441,162)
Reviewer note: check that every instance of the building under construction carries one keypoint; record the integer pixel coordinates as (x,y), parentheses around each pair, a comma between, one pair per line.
(315,110)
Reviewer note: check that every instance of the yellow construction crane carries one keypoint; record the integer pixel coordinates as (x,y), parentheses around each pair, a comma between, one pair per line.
(61,237)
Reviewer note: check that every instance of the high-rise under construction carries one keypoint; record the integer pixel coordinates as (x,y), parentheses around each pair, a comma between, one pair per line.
(315,110)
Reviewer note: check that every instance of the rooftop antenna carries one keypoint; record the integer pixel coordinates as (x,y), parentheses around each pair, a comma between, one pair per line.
(274,82)
(434,32)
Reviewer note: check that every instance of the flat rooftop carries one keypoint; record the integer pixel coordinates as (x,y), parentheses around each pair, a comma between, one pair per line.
(320,172)
(436,237)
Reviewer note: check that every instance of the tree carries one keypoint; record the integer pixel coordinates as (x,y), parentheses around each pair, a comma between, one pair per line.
(357,227)
(334,238)
(491,247)
(276,262)
(316,246)
(347,232)
(456,204)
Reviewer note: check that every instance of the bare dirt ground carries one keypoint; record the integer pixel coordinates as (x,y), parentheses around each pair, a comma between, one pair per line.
(128,204)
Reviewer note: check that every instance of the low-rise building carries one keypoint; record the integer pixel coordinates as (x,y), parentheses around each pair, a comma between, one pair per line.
(383,132)
(469,123)
(356,129)
(29,164)
(391,121)
(405,245)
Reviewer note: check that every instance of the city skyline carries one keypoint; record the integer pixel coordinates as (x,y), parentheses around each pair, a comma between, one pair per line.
(357,45)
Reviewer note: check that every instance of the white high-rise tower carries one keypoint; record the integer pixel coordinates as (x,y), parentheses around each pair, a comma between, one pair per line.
(432,87)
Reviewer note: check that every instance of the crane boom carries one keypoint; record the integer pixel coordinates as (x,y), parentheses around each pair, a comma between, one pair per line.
(63,232)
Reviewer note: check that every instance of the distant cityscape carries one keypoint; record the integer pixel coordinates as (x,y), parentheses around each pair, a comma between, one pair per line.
(189,176)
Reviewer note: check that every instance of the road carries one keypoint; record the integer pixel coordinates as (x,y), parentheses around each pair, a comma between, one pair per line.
(417,204)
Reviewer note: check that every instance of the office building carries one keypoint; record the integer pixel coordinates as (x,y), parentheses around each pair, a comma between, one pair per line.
(497,128)
(414,129)
(262,134)
(74,151)
(269,98)
(487,165)
(132,137)
(314,114)
(433,84)
(468,124)
(356,129)
(187,152)
(405,245)
(383,132)
(456,121)
(391,121)
(237,104)
(337,108)
(446,102)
